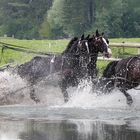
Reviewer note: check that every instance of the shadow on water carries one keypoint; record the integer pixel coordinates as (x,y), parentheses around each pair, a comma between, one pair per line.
(68,130)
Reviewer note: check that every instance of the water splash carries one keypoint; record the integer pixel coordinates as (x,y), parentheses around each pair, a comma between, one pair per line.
(15,90)
(83,97)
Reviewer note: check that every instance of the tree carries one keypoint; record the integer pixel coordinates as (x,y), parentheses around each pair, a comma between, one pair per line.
(67,18)
(23,17)
(130,20)
(45,30)
(114,19)
(70,17)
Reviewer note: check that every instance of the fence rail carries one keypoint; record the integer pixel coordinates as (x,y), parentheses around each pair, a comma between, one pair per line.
(117,45)
(126,45)
(121,45)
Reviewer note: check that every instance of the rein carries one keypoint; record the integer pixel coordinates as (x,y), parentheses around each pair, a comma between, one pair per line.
(127,64)
(27,50)
(121,78)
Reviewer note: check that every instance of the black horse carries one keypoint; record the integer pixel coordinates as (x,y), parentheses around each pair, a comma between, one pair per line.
(84,66)
(76,62)
(40,67)
(124,74)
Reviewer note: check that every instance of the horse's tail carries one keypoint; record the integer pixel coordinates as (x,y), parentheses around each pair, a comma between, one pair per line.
(110,69)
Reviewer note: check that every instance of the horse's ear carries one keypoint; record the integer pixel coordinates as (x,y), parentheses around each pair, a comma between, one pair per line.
(97,33)
(102,33)
(82,37)
(87,37)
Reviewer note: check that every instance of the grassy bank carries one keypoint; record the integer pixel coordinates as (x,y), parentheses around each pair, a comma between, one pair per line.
(10,56)
(35,45)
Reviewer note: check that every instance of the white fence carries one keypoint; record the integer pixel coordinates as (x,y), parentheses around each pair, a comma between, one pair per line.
(128,45)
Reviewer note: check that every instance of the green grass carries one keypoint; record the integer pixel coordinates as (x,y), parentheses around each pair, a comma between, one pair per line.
(124,52)
(36,45)
(119,52)
(120,40)
(39,45)
(101,65)
(10,56)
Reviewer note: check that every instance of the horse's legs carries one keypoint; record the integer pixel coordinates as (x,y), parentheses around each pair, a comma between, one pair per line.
(128,97)
(32,94)
(65,94)
(63,86)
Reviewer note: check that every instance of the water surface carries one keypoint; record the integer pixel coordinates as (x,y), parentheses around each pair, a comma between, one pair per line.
(87,116)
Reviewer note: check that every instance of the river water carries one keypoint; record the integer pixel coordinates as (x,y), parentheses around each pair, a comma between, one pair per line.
(87,116)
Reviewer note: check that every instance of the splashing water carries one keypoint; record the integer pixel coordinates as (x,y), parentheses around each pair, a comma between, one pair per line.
(86,111)
(85,98)
(15,90)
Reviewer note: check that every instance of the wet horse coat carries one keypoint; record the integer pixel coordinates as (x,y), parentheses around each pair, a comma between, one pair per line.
(88,49)
(41,67)
(124,74)
(77,61)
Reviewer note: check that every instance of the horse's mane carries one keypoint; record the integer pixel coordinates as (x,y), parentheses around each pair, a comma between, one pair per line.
(70,45)
(110,69)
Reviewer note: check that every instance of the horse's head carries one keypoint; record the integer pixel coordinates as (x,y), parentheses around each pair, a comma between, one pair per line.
(101,44)
(92,45)
(83,45)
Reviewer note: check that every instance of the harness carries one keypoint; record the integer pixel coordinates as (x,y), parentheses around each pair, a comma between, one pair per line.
(126,73)
(127,64)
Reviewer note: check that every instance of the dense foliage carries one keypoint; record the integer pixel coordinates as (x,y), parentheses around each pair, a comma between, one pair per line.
(66,18)
(22,18)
